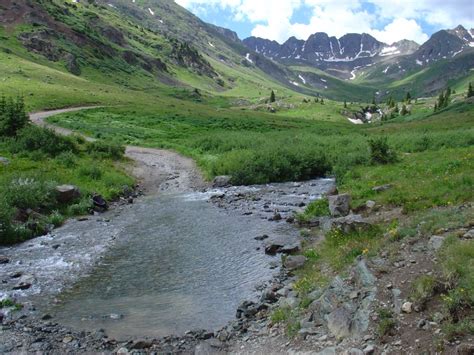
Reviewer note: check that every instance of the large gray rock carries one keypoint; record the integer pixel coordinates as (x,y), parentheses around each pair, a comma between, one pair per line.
(294,262)
(221,181)
(339,205)
(67,193)
(339,323)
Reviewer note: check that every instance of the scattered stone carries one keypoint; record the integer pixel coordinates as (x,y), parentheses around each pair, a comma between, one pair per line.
(436,242)
(67,339)
(294,262)
(465,349)
(115,316)
(290,248)
(46,317)
(469,234)
(141,344)
(99,203)
(382,188)
(24,283)
(369,349)
(4,259)
(370,204)
(421,323)
(354,295)
(339,205)
(269,296)
(122,351)
(355,351)
(262,237)
(67,193)
(276,217)
(221,181)
(407,307)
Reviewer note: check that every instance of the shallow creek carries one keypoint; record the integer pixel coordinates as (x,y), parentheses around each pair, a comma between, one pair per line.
(176,263)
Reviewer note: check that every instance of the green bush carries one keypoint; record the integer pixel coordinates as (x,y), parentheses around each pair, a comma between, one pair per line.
(24,193)
(67,159)
(92,172)
(271,165)
(110,150)
(13,116)
(380,151)
(44,140)
(316,208)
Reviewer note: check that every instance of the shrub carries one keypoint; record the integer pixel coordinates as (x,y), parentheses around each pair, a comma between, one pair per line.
(81,208)
(110,150)
(12,116)
(380,151)
(44,140)
(316,208)
(423,288)
(386,324)
(67,159)
(91,171)
(24,193)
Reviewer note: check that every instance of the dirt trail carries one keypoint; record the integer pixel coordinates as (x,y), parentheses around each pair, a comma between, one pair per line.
(157,170)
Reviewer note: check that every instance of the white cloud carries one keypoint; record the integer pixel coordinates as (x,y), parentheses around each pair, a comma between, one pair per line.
(272,18)
(398,29)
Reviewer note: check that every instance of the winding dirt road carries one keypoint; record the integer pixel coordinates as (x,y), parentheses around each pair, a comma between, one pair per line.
(157,170)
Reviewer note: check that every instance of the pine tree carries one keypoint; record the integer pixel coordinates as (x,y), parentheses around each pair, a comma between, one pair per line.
(435,107)
(404,110)
(322,101)
(408,98)
(272,97)
(470,91)
(316,100)
(345,104)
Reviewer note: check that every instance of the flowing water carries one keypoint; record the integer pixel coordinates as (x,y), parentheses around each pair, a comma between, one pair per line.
(183,264)
(187,265)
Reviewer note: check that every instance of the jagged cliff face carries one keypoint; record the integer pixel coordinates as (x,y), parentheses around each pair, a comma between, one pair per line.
(319,48)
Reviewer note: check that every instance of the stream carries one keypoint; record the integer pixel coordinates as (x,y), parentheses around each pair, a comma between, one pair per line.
(167,265)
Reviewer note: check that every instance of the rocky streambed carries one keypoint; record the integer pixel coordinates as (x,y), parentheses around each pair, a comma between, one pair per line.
(154,270)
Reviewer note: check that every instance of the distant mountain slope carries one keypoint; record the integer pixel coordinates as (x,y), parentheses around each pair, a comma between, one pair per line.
(158,45)
(448,55)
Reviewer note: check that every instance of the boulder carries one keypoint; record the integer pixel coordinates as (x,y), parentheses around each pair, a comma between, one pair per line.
(339,323)
(99,203)
(339,205)
(4,259)
(4,161)
(221,181)
(67,193)
(294,262)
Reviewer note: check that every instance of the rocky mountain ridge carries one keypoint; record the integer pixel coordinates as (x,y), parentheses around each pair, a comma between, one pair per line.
(354,51)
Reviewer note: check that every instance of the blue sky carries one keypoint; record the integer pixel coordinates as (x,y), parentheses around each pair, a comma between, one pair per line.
(388,21)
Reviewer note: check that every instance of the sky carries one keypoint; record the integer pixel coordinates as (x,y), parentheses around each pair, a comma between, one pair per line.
(387,20)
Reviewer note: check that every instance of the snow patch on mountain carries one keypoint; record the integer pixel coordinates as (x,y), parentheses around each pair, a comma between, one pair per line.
(247,57)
